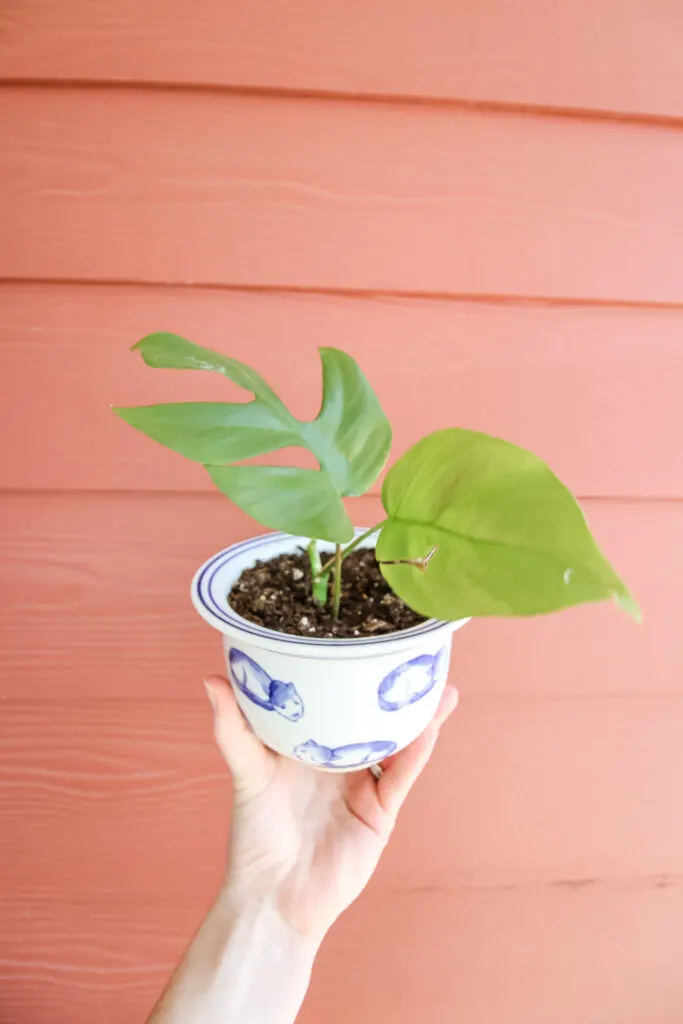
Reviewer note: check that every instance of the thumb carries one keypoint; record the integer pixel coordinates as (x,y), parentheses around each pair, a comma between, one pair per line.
(250,764)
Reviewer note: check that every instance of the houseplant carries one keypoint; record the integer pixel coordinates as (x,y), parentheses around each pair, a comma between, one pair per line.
(473,526)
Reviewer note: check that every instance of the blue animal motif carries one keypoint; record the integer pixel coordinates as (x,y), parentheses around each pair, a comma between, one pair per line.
(270,694)
(411,681)
(353,755)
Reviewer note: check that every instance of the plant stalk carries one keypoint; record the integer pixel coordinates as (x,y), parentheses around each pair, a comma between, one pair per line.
(319,580)
(351,547)
(336,586)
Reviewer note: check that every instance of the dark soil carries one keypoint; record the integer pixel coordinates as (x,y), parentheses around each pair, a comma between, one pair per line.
(277,595)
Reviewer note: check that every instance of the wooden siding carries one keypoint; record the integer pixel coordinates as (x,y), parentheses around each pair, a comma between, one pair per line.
(181,187)
(525,371)
(482,203)
(614,55)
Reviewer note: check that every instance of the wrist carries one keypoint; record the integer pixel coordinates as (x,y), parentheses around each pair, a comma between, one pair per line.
(245,965)
(265,963)
(260,916)
(245,893)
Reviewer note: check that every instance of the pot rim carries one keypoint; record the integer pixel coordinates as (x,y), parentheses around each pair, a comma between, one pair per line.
(212,605)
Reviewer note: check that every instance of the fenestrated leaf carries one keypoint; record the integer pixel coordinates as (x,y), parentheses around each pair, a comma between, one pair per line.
(350,438)
(169,351)
(298,501)
(212,431)
(511,538)
(351,435)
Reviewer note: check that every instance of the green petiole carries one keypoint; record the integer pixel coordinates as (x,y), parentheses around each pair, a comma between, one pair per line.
(348,549)
(320,580)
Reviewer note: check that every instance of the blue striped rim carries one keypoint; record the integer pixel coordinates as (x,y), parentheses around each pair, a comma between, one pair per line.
(218,608)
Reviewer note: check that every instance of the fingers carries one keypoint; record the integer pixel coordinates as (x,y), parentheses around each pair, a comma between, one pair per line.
(250,764)
(404,769)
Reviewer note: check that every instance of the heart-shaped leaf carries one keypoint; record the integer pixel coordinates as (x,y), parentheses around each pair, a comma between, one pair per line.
(298,501)
(511,539)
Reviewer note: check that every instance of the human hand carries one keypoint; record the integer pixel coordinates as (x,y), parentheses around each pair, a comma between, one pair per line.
(306,841)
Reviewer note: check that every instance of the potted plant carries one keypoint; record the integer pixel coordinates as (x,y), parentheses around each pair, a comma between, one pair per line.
(337,640)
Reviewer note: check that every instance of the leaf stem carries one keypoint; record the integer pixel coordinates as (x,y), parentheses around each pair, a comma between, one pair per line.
(319,580)
(336,586)
(351,547)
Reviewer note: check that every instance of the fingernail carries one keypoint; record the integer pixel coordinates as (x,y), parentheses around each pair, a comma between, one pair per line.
(211,694)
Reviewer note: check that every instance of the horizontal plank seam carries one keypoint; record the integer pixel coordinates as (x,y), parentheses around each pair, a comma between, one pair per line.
(646,881)
(666,880)
(369,294)
(349,96)
(184,492)
(73,704)
(504,700)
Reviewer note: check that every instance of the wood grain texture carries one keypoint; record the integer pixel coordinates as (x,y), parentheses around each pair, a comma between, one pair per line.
(506,258)
(621,56)
(177,187)
(132,796)
(96,593)
(524,372)
(602,952)
(76,958)
(595,955)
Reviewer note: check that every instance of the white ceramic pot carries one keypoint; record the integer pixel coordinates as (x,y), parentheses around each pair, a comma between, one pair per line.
(338,705)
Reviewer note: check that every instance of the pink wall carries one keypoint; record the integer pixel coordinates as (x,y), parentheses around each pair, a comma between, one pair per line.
(483,204)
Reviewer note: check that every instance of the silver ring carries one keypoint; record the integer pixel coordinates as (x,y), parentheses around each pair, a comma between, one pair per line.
(376,771)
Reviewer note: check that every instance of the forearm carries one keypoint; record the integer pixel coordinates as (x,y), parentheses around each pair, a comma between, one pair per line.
(244,966)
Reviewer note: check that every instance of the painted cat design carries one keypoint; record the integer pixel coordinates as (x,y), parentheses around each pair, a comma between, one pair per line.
(411,681)
(270,694)
(353,755)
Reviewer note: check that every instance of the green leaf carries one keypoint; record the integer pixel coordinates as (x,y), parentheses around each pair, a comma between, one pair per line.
(211,431)
(511,538)
(171,352)
(351,436)
(298,501)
